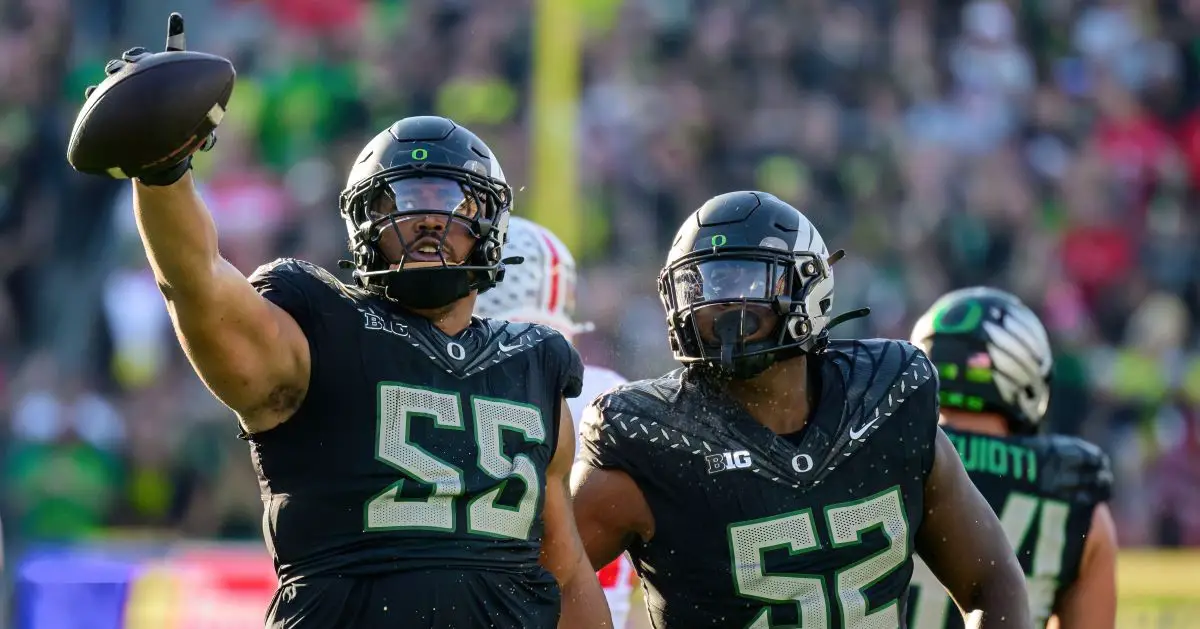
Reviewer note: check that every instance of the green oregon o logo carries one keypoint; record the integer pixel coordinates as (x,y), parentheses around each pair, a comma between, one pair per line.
(420,154)
(718,240)
(970,319)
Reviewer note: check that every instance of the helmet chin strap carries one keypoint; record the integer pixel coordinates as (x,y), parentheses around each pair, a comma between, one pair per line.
(427,289)
(731,329)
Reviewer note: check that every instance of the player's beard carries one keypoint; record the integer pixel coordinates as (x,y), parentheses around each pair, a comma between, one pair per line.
(427,288)
(730,331)
(743,368)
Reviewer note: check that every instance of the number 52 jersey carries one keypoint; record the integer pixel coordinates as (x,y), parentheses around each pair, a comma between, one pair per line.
(758,530)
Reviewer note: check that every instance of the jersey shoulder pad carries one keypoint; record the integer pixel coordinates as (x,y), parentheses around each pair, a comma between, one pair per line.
(301,276)
(884,374)
(559,355)
(642,397)
(616,426)
(880,356)
(293,270)
(1073,470)
(598,380)
(300,287)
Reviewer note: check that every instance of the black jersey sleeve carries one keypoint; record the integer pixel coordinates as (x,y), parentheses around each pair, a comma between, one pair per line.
(927,407)
(894,378)
(566,365)
(609,436)
(319,304)
(1075,470)
(294,286)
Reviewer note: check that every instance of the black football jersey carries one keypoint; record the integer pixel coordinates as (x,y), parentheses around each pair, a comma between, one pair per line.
(759,530)
(1044,488)
(413,450)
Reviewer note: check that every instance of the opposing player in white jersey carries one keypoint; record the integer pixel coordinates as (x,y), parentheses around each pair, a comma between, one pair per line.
(542,290)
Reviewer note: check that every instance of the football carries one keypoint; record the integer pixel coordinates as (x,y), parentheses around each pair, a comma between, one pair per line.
(151,113)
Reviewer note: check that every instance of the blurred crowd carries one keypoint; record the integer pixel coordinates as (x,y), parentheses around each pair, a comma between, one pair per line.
(1051,147)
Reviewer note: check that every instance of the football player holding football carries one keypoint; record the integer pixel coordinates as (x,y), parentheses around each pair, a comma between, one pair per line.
(1050,491)
(781,479)
(412,459)
(541,289)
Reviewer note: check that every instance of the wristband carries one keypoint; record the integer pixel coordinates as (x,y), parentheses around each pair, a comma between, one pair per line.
(168,176)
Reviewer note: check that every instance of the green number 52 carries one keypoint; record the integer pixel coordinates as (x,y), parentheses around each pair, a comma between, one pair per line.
(795,532)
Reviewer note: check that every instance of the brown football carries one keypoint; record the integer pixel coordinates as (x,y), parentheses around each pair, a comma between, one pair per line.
(151,113)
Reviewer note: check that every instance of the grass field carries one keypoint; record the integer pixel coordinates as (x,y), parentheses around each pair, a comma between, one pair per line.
(1158,589)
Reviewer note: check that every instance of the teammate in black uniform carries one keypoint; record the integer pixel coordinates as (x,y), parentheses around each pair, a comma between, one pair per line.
(994,359)
(412,459)
(781,479)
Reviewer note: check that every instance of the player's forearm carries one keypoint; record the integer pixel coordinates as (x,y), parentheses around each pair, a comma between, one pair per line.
(179,236)
(1002,598)
(583,602)
(1091,601)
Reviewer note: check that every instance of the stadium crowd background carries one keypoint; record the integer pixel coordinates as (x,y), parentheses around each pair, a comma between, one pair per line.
(1050,147)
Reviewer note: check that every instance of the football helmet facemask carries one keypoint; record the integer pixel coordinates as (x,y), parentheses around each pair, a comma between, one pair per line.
(748,282)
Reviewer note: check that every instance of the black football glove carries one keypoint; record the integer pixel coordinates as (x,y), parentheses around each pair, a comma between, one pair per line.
(175,41)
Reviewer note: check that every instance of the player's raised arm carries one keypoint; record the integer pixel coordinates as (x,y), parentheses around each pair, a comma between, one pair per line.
(583,602)
(1091,601)
(252,355)
(963,543)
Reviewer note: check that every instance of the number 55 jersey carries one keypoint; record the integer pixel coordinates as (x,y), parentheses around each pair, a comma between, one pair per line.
(408,488)
(759,530)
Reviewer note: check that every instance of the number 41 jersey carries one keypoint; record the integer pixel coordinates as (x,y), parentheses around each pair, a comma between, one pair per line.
(416,456)
(1044,488)
(758,530)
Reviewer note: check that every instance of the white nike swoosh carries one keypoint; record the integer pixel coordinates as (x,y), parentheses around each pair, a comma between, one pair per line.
(509,348)
(857,434)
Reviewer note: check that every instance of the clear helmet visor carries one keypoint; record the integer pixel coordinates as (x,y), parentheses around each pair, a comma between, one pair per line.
(425,221)
(731,300)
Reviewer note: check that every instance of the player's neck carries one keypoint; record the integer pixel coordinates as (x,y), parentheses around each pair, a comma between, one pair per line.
(982,423)
(778,398)
(452,319)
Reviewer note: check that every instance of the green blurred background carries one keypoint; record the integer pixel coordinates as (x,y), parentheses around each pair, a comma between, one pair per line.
(1050,147)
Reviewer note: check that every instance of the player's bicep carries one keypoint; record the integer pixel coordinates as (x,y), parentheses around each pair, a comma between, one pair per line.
(1091,601)
(250,353)
(564,447)
(960,537)
(610,509)
(562,551)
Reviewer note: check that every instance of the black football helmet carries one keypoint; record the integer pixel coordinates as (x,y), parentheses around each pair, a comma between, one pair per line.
(747,282)
(992,354)
(430,170)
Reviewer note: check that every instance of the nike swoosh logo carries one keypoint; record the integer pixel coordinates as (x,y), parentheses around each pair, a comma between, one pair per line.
(509,348)
(857,434)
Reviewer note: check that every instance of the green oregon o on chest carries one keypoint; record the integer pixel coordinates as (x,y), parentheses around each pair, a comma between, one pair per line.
(980,453)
